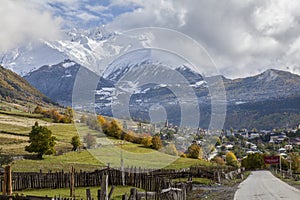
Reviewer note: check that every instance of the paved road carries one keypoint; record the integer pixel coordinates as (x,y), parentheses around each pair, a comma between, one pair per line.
(263,185)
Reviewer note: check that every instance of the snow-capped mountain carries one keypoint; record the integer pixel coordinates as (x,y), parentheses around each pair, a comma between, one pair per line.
(56,81)
(148,77)
(89,48)
(149,83)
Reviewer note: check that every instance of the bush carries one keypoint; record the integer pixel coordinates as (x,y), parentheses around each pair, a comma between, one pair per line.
(231,159)
(195,151)
(156,143)
(147,141)
(218,160)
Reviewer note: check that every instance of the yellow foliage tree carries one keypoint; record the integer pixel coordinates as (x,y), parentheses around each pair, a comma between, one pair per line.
(231,159)
(103,123)
(114,129)
(156,143)
(195,151)
(218,160)
(147,141)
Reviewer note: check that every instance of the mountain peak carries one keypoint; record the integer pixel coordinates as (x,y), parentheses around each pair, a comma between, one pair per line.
(268,75)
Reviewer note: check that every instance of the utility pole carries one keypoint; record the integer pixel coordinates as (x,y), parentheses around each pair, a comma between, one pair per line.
(280,162)
(122,165)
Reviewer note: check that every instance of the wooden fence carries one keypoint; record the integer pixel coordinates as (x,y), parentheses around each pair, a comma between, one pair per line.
(136,177)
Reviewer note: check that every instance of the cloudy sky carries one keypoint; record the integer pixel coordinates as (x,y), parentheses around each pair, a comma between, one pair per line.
(243,37)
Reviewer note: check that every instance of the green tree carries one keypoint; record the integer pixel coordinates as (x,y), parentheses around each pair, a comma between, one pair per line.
(68,115)
(41,141)
(195,151)
(5,159)
(254,161)
(219,142)
(231,159)
(75,141)
(156,143)
(295,159)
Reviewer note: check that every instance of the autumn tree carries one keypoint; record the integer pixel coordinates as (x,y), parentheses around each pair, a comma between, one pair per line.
(68,116)
(231,159)
(156,143)
(75,141)
(171,149)
(41,141)
(195,151)
(38,110)
(147,141)
(114,129)
(103,123)
(90,141)
(218,160)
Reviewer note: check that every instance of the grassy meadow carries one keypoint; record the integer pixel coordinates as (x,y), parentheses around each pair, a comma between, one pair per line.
(16,123)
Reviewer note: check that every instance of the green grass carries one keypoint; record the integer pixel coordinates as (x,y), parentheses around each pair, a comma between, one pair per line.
(80,160)
(5,141)
(80,193)
(181,163)
(11,128)
(63,132)
(109,150)
(21,114)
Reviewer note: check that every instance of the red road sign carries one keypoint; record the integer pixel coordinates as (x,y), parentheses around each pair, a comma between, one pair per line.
(271,159)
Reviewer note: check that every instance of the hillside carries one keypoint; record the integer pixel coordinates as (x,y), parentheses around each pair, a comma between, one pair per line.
(14,87)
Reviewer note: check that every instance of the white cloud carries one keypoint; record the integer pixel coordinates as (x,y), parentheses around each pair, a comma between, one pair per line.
(97,8)
(22,22)
(243,37)
(86,16)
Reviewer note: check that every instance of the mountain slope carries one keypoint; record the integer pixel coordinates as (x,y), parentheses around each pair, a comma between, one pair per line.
(14,86)
(56,81)
(271,84)
(251,102)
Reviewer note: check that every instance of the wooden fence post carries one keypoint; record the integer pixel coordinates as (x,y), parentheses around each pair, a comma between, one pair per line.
(133,193)
(72,183)
(99,194)
(4,184)
(88,194)
(104,187)
(9,180)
